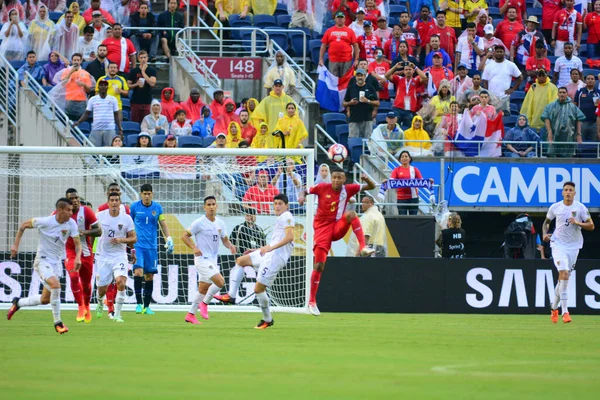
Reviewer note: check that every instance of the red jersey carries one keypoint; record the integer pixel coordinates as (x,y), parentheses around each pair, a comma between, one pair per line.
(411,37)
(447,39)
(567,22)
(332,204)
(404,173)
(592,20)
(262,199)
(105,207)
(407,92)
(84,218)
(423,27)
(507,31)
(518,4)
(533,64)
(367,46)
(350,5)
(381,69)
(340,41)
(248,132)
(551,8)
(114,53)
(372,15)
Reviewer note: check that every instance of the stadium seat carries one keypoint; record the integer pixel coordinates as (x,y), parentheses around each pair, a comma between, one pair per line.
(342,132)
(515,108)
(552,60)
(510,121)
(396,9)
(84,127)
(131,140)
(239,23)
(583,50)
(380,118)
(125,114)
(48,88)
(130,128)
(393,21)
(261,43)
(517,96)
(189,141)
(16,64)
(281,10)
(355,148)
(54,16)
(297,42)
(207,141)
(587,71)
(494,12)
(587,150)
(330,120)
(537,12)
(126,102)
(158,140)
(314,47)
(284,20)
(384,106)
(264,21)
(281,38)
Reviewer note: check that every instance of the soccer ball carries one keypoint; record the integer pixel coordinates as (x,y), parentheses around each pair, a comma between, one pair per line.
(337,153)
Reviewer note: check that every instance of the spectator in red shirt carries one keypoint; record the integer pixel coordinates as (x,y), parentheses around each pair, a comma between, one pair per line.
(193,105)
(567,28)
(248,131)
(447,36)
(95,5)
(437,73)
(340,41)
(423,25)
(260,196)
(519,6)
(168,106)
(377,69)
(592,25)
(534,64)
(551,8)
(508,28)
(371,12)
(391,47)
(408,196)
(115,51)
(408,90)
(217,106)
(410,35)
(346,7)
(367,43)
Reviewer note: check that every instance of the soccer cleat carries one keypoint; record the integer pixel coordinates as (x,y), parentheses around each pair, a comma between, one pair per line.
(148,311)
(99,310)
(81,314)
(566,318)
(554,316)
(226,298)
(138,309)
(203,309)
(118,319)
(60,328)
(367,251)
(111,315)
(13,309)
(191,318)
(88,315)
(264,325)
(313,309)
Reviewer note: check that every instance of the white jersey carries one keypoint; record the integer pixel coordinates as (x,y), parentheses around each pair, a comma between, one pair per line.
(207,234)
(284,221)
(53,236)
(113,227)
(567,236)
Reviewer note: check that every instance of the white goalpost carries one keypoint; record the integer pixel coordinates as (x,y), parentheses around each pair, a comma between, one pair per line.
(33,178)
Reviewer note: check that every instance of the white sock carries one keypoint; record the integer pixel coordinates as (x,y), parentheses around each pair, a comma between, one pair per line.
(119,300)
(564,284)
(235,279)
(30,301)
(556,301)
(212,290)
(55,303)
(195,303)
(263,302)
(100,299)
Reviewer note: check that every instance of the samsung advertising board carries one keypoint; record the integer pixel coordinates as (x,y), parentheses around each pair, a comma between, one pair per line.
(509,184)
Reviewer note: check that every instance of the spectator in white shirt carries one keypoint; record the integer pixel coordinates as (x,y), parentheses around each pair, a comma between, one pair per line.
(106,116)
(181,126)
(564,65)
(498,75)
(87,45)
(358,25)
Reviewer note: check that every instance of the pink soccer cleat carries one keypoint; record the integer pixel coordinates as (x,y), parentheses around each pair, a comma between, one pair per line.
(191,318)
(13,309)
(203,309)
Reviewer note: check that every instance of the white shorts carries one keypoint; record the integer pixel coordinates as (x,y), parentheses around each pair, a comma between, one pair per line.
(268,266)
(206,268)
(564,260)
(47,269)
(109,269)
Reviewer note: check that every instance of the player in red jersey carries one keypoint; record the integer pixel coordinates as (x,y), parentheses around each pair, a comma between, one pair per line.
(111,290)
(81,279)
(332,223)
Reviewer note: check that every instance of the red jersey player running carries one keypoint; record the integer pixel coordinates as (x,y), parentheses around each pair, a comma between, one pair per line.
(332,223)
(81,281)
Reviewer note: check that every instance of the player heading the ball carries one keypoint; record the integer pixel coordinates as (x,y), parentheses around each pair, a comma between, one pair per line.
(566,241)
(53,232)
(206,230)
(332,222)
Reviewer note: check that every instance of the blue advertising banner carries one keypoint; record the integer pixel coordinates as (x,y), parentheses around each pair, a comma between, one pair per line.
(506,184)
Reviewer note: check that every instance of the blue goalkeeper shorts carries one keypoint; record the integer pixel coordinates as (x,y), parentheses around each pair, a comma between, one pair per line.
(146,259)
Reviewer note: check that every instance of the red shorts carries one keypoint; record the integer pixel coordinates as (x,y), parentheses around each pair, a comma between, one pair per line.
(86,263)
(326,234)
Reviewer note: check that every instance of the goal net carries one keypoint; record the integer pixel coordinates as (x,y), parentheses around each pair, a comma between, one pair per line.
(33,178)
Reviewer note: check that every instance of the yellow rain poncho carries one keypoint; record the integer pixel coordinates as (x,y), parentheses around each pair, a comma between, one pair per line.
(417,134)
(264,7)
(538,97)
(294,132)
(234,136)
(270,109)
(232,6)
(260,141)
(77,18)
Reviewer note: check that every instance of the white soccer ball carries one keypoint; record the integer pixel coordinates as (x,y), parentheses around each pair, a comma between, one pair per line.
(337,153)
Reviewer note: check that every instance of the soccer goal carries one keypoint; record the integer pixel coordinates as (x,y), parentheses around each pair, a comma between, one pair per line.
(33,178)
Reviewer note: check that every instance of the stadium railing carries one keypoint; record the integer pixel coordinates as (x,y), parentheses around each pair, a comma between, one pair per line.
(9,86)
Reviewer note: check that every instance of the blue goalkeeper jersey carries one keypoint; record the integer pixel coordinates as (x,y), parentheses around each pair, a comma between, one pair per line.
(146,220)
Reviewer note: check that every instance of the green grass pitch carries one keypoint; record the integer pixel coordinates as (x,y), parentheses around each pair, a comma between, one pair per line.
(335,356)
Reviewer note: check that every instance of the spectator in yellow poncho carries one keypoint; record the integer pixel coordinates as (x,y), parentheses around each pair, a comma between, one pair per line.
(293,130)
(225,8)
(272,107)
(251,105)
(77,17)
(264,7)
(234,135)
(260,141)
(416,132)
(539,95)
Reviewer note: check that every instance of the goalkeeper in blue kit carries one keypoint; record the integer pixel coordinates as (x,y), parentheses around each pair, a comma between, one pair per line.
(147,215)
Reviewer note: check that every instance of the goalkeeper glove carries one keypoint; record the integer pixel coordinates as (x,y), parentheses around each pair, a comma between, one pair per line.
(169,246)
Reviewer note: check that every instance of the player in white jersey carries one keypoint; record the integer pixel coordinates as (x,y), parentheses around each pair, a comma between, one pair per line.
(110,260)
(566,241)
(272,257)
(207,231)
(54,232)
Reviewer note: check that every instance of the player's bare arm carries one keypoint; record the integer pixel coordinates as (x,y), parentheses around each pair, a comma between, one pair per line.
(77,242)
(96,231)
(186,238)
(370,184)
(545,229)
(165,230)
(588,225)
(129,240)
(228,245)
(288,238)
(14,249)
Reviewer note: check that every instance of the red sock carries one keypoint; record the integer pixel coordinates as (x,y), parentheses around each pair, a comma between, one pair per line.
(86,286)
(358,231)
(76,288)
(315,279)
(111,293)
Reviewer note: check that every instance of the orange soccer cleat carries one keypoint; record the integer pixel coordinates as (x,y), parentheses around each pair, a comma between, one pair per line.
(61,328)
(554,316)
(81,314)
(226,298)
(88,314)
(566,318)
(264,325)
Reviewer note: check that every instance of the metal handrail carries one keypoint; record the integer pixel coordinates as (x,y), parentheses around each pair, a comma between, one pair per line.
(199,65)
(318,146)
(217,21)
(9,85)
